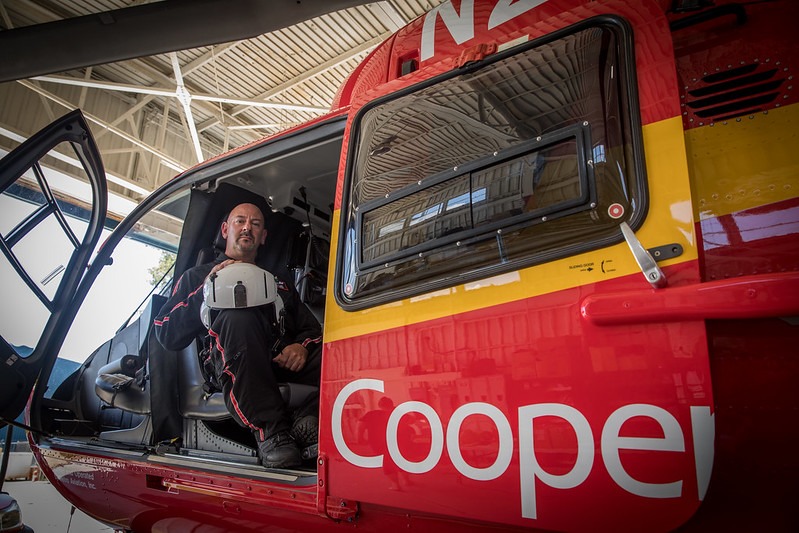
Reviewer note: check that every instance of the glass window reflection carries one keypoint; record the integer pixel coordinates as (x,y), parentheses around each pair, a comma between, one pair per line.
(494,169)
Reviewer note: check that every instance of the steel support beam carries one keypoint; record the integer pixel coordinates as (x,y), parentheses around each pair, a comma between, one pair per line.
(175,93)
(147,30)
(113,178)
(165,159)
(311,73)
(184,97)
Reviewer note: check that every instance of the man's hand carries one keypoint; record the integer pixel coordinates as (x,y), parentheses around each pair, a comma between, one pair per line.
(293,357)
(219,267)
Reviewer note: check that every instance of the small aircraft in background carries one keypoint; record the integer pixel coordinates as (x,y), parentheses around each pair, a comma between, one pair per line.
(553,245)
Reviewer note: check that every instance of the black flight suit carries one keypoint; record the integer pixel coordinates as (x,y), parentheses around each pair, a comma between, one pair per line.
(242,345)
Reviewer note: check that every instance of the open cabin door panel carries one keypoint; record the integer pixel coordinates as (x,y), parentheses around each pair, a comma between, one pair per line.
(46,244)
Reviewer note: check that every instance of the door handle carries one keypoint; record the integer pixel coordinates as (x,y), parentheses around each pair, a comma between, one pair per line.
(645,261)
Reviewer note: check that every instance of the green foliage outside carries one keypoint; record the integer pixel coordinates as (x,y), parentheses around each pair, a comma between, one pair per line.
(163,266)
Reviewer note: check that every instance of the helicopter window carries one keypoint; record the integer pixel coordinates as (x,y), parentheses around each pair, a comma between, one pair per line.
(531,155)
(142,264)
(39,229)
(548,179)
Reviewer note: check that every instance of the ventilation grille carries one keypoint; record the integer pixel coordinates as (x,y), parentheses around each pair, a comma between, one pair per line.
(735,92)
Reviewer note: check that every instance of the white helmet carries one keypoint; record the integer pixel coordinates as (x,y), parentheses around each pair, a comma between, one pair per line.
(237,286)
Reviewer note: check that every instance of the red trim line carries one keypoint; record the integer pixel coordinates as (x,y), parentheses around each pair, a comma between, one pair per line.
(215,335)
(306,342)
(236,407)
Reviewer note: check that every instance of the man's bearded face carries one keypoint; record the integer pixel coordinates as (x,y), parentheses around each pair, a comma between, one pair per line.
(244,231)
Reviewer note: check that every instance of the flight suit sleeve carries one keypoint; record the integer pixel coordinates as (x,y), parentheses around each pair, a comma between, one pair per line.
(301,325)
(178,322)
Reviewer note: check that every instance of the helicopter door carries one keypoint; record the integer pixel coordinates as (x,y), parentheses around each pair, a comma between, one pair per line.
(47,239)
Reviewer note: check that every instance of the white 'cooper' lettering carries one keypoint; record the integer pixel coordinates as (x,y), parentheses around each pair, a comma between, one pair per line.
(436,437)
(461,26)
(530,471)
(703,427)
(672,441)
(375,461)
(529,468)
(505,453)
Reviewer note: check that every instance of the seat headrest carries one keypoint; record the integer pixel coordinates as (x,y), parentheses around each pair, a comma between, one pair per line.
(209,253)
(219,241)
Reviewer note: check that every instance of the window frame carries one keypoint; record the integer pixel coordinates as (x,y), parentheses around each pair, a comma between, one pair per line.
(579,132)
(628,102)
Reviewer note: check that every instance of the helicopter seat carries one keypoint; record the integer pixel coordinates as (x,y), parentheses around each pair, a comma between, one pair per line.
(120,384)
(196,403)
(193,400)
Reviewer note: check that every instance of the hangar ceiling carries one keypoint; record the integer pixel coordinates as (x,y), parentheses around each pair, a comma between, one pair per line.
(156,115)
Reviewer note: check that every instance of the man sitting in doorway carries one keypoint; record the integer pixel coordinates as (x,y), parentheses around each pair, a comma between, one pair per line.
(248,352)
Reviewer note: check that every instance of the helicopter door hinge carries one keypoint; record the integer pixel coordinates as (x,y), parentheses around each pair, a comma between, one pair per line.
(336,509)
(645,261)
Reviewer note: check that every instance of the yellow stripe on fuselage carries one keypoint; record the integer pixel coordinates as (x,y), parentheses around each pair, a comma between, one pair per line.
(745,162)
(669,221)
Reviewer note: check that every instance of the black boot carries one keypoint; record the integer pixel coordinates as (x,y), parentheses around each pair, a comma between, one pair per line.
(279,451)
(305,433)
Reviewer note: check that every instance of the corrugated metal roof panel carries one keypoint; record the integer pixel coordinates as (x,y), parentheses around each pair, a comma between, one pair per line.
(274,64)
